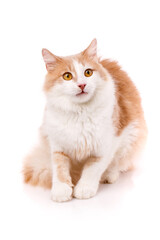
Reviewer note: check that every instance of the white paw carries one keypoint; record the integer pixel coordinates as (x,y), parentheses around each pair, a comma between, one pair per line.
(84,190)
(110,177)
(61,192)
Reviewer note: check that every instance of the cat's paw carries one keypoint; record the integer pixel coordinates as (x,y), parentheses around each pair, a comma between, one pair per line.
(110,177)
(61,192)
(84,190)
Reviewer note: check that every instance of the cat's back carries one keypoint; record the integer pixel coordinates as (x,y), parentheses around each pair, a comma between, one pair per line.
(128,107)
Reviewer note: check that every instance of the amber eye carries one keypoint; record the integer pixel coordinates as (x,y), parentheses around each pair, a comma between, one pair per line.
(67,76)
(88,72)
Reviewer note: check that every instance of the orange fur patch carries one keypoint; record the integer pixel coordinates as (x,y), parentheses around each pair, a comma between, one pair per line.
(91,161)
(93,63)
(77,168)
(63,167)
(43,178)
(56,75)
(128,106)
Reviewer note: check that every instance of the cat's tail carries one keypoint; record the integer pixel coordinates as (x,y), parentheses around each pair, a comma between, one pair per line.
(37,165)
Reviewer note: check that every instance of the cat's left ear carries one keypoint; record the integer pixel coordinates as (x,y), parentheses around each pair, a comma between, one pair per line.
(91,51)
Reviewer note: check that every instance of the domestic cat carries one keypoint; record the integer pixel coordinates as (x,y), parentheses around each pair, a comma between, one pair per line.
(92,129)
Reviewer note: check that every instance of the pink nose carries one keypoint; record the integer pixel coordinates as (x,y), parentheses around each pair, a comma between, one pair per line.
(82,86)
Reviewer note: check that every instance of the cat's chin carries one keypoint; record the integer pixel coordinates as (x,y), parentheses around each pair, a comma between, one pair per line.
(83,97)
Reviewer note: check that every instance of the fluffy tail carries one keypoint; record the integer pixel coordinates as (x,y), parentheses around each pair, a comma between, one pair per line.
(37,165)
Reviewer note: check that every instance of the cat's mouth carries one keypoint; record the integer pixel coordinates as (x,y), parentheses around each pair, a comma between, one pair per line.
(81,93)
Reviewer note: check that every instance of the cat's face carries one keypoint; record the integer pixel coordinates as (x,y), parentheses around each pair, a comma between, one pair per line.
(77,77)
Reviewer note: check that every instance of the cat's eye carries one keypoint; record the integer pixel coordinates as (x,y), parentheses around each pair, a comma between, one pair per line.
(67,76)
(88,72)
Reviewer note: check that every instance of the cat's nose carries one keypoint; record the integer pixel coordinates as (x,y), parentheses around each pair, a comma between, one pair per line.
(82,86)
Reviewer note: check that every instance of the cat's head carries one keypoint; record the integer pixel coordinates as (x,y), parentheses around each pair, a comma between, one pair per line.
(75,78)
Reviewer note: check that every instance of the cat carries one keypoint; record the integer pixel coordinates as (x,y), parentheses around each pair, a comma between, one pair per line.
(92,129)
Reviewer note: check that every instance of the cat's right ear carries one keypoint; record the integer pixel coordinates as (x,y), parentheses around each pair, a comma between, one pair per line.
(50,59)
(91,51)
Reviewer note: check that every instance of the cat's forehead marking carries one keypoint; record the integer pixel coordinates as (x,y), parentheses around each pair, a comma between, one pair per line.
(79,67)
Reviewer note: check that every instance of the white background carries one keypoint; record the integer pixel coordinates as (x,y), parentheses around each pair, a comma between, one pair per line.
(127,31)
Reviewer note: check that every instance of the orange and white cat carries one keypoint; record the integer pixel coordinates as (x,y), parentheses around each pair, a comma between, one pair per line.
(93,126)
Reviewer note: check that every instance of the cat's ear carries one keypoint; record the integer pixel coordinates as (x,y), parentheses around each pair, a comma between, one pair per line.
(91,50)
(50,59)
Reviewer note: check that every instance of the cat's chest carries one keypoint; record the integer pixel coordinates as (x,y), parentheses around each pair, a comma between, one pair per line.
(79,135)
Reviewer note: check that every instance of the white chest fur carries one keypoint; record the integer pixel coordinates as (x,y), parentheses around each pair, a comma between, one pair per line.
(81,134)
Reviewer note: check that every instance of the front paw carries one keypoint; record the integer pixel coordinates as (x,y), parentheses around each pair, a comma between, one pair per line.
(61,192)
(85,190)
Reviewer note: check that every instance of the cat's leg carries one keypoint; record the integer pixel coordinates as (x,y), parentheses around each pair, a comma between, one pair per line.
(121,163)
(112,173)
(61,180)
(132,141)
(124,159)
(90,178)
